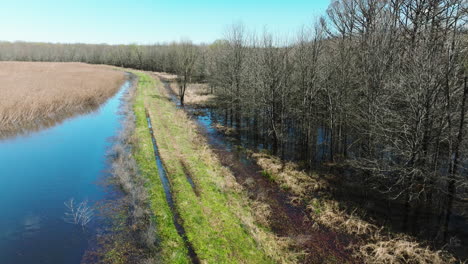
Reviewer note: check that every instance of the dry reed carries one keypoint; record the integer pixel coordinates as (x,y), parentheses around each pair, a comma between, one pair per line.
(39,94)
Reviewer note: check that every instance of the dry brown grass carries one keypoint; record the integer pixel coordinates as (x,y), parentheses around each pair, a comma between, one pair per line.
(225,129)
(329,214)
(401,250)
(374,245)
(288,176)
(165,76)
(196,95)
(37,94)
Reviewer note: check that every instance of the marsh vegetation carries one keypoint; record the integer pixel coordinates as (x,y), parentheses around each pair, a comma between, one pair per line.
(37,95)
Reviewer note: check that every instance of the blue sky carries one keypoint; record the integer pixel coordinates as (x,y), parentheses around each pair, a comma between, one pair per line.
(146,22)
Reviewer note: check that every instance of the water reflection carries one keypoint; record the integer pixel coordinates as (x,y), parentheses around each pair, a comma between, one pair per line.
(45,122)
(31,223)
(41,170)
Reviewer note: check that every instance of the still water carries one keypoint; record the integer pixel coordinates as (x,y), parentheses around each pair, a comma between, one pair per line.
(42,170)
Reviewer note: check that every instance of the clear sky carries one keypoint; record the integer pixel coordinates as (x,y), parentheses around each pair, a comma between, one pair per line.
(145,21)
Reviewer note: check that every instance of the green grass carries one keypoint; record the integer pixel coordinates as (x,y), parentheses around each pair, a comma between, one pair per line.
(268,175)
(211,220)
(171,244)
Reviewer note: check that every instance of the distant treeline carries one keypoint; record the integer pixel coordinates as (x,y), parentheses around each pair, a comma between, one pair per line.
(151,57)
(378,84)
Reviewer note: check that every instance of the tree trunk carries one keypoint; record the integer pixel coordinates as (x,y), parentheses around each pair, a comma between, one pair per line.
(455,160)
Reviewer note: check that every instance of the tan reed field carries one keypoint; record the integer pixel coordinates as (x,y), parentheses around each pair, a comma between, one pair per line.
(39,94)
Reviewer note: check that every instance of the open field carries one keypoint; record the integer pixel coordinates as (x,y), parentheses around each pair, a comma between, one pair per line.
(38,94)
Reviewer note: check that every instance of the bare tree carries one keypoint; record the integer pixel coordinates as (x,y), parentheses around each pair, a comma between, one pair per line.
(187,54)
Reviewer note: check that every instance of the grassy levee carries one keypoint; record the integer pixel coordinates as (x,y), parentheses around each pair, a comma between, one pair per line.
(218,221)
(172,248)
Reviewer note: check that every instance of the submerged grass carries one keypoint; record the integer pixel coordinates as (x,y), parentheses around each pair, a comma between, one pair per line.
(219,221)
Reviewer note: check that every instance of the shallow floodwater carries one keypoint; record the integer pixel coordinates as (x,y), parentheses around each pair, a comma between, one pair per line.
(424,223)
(41,171)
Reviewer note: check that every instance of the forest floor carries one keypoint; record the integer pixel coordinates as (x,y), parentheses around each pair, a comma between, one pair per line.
(39,94)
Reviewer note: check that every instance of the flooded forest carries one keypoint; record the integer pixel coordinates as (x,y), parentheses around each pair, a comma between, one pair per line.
(373,93)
